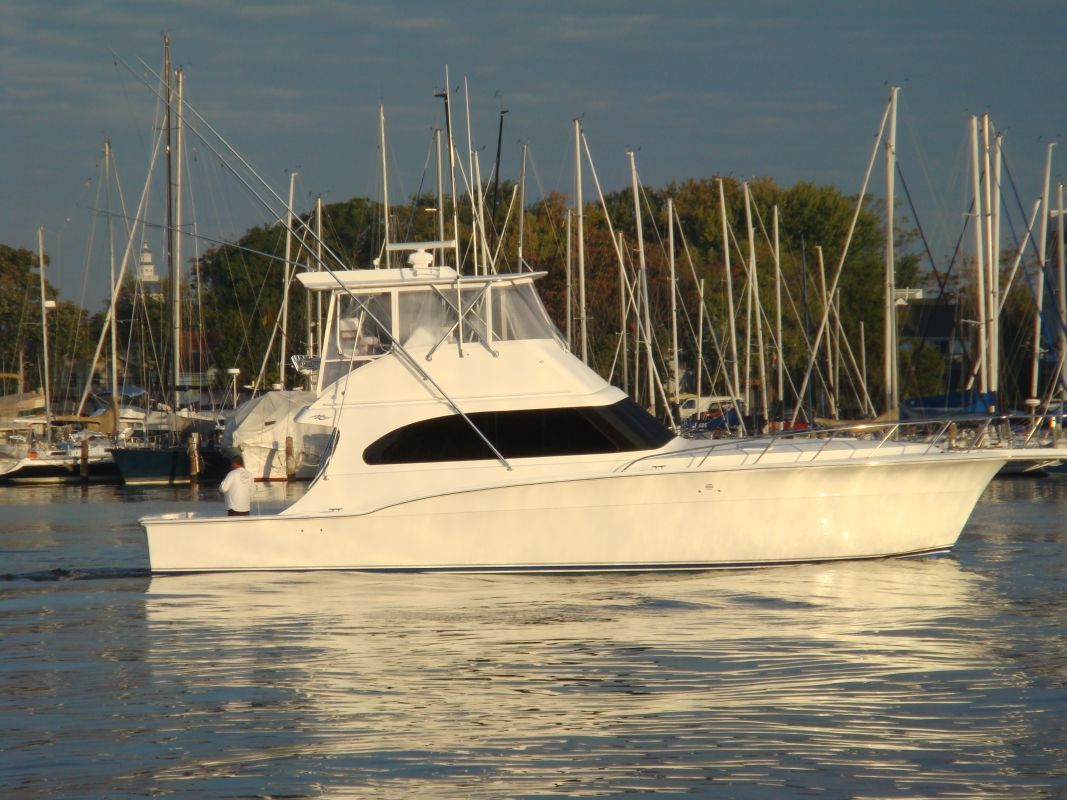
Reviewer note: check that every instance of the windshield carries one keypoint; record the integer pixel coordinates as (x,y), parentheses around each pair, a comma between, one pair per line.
(477,313)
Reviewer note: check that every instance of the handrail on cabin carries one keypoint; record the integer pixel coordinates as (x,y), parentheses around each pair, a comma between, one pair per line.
(951,435)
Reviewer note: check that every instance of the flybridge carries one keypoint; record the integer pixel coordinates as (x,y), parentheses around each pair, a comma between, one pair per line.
(420,271)
(401,278)
(421,308)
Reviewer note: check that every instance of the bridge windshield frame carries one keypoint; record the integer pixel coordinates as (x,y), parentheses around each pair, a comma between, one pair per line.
(371,313)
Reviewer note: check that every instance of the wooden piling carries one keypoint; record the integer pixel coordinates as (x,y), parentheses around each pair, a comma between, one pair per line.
(195,467)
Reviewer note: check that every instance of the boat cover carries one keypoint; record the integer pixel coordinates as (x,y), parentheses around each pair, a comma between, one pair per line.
(259,429)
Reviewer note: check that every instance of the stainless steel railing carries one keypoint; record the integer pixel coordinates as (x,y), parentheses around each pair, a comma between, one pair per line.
(941,435)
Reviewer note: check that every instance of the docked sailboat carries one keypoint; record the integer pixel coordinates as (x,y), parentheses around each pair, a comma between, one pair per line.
(183,449)
(79,459)
(468,438)
(43,452)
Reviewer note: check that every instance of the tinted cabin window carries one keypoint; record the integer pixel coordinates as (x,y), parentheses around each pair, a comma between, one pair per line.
(619,428)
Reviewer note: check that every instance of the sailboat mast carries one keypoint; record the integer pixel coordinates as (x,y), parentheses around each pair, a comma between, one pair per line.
(176,264)
(169,210)
(990,286)
(863,355)
(570,292)
(440,188)
(643,285)
(496,170)
(582,330)
(892,396)
(1061,271)
(44,340)
(1042,245)
(753,282)
(284,344)
(112,321)
(838,349)
(623,318)
(994,268)
(385,184)
(979,256)
(700,349)
(778,316)
(831,393)
(455,206)
(478,216)
(731,321)
(674,303)
(318,261)
(452,168)
(470,132)
(309,340)
(522,205)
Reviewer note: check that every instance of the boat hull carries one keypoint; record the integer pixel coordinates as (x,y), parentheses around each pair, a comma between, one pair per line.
(162,466)
(65,470)
(150,466)
(692,519)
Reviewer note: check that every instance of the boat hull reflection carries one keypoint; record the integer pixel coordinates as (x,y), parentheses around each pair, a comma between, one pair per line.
(828,677)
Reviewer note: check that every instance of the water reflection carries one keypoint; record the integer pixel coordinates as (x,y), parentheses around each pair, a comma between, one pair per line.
(268,495)
(868,679)
(910,678)
(1036,490)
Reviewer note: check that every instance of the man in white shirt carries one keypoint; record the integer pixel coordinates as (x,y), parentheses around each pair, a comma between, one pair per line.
(237,488)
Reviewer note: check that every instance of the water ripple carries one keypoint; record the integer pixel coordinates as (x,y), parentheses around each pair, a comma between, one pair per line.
(932,678)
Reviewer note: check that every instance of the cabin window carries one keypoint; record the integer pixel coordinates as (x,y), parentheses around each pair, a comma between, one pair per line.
(363,326)
(519,314)
(431,318)
(619,428)
(423,315)
(360,331)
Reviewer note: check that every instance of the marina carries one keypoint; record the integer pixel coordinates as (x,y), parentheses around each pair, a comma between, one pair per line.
(665,400)
(932,677)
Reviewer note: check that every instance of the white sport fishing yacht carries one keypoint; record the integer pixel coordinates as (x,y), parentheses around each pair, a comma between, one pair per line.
(468,438)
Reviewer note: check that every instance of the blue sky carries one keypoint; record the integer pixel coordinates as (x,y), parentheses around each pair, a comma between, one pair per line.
(786,89)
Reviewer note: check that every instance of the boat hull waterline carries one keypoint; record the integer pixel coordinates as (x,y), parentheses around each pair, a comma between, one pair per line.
(697,519)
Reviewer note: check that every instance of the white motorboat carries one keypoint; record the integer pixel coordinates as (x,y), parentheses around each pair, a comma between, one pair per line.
(468,438)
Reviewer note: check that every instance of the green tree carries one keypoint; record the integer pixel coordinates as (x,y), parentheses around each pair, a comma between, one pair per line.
(21,340)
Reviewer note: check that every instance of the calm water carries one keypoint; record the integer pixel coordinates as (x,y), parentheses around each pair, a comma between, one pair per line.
(937,677)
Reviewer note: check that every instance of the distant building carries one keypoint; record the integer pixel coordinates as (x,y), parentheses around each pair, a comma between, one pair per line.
(938,324)
(150,284)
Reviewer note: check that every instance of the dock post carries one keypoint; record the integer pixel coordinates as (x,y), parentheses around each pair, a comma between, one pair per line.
(290,460)
(194,457)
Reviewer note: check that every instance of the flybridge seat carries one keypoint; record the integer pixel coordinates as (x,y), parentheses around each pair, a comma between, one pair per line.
(423,307)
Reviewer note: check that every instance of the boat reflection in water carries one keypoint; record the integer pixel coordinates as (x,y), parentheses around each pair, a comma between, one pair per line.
(874,679)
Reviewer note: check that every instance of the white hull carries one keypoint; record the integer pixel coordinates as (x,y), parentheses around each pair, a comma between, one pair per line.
(700,518)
